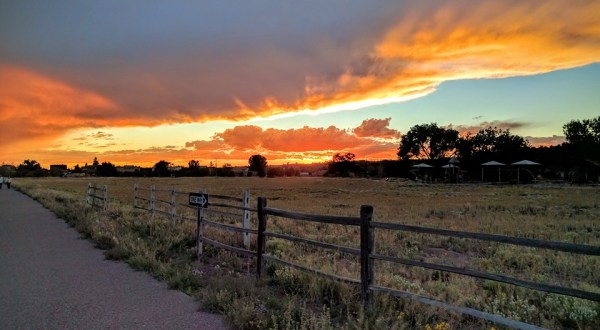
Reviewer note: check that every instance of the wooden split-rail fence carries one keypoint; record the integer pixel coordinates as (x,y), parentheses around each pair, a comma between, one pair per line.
(96,196)
(172,203)
(366,253)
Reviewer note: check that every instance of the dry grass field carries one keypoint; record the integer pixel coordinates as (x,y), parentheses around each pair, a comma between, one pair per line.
(558,213)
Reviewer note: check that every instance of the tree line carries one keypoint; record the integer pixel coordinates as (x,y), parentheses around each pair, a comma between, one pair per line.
(576,160)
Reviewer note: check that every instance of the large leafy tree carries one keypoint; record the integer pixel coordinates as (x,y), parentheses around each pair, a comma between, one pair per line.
(258,163)
(162,168)
(30,167)
(30,164)
(585,131)
(583,137)
(428,141)
(343,164)
(493,142)
(347,157)
(194,164)
(106,169)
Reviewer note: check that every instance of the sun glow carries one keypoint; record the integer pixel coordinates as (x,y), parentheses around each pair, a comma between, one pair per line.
(347,106)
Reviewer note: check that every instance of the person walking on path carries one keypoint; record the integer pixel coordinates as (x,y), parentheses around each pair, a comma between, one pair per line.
(8,182)
(1,181)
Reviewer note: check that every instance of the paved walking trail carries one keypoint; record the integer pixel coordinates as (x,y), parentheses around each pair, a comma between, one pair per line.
(50,278)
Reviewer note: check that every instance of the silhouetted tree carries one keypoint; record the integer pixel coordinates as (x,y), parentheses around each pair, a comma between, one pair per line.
(583,136)
(258,163)
(347,157)
(491,142)
(275,172)
(290,171)
(583,131)
(342,164)
(428,141)
(106,169)
(583,148)
(30,167)
(162,168)
(193,163)
(95,165)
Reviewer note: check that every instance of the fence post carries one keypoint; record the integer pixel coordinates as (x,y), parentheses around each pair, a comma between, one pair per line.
(173,206)
(260,241)
(87,194)
(135,195)
(246,219)
(366,248)
(93,194)
(152,198)
(200,228)
(105,198)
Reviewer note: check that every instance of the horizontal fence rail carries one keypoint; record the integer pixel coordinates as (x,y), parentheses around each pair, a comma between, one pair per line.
(353,221)
(556,246)
(368,256)
(166,202)
(96,196)
(173,206)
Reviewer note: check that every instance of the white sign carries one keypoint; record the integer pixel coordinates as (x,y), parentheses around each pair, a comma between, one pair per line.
(198,200)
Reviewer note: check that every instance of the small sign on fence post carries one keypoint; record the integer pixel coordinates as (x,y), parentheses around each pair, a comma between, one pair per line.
(200,201)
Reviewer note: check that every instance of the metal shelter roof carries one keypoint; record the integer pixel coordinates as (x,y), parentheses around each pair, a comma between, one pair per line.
(525,163)
(493,163)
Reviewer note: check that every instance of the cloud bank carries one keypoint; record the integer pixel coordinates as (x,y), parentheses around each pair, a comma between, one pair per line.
(134,64)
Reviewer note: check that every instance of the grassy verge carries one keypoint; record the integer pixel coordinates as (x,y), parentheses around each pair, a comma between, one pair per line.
(288,299)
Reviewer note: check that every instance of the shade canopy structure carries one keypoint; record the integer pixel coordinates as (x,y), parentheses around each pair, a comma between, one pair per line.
(491,164)
(422,165)
(524,162)
(450,166)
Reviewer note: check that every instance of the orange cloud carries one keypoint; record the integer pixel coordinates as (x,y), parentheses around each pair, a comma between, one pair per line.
(376,128)
(495,39)
(35,109)
(408,53)
(291,140)
(462,40)
(405,53)
(306,144)
(545,141)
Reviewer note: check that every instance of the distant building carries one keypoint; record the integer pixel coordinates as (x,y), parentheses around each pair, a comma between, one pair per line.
(127,169)
(240,170)
(58,170)
(175,168)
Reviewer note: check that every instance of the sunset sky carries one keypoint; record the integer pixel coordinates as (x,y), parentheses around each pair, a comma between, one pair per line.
(135,82)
